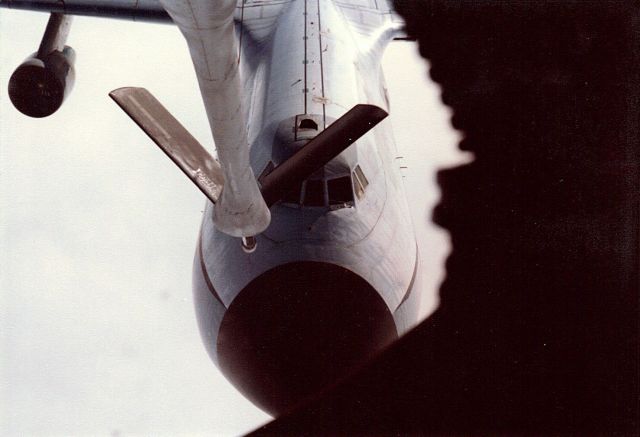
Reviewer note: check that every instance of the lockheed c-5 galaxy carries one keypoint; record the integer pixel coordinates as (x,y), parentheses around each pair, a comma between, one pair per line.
(306,260)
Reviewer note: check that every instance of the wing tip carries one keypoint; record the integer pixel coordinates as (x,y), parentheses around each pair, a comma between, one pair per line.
(122,91)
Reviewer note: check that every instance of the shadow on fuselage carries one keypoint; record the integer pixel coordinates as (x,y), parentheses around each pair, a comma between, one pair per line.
(299,328)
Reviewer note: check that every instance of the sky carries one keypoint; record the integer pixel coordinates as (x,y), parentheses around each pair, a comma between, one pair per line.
(98,229)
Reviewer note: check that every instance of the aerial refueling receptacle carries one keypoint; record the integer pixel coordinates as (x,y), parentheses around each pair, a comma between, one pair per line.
(39,86)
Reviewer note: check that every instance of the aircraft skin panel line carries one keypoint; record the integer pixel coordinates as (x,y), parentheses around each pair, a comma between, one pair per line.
(320,150)
(203,272)
(172,138)
(209,30)
(135,10)
(370,236)
(204,170)
(257,17)
(306,264)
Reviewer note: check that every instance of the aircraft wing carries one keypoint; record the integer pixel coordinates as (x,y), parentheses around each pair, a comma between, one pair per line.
(136,10)
(257,17)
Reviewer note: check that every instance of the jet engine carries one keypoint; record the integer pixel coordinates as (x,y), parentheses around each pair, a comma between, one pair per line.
(39,85)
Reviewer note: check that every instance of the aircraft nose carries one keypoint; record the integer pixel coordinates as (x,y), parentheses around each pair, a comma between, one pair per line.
(299,328)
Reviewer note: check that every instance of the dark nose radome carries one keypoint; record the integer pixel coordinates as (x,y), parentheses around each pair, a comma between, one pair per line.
(297,329)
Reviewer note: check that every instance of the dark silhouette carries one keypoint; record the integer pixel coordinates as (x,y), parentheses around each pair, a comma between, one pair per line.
(537,329)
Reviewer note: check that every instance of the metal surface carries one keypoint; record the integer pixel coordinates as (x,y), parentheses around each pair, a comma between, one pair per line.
(258,17)
(39,86)
(320,150)
(263,67)
(309,62)
(209,30)
(172,138)
(55,35)
(136,10)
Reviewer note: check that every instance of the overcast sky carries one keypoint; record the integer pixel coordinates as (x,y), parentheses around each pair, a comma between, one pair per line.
(98,230)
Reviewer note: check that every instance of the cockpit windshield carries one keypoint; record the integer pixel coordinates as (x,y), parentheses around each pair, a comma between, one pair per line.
(335,192)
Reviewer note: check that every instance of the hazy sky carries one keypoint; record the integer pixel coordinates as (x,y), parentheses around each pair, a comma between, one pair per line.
(98,230)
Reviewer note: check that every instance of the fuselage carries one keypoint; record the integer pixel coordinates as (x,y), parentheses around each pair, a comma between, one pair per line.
(333,278)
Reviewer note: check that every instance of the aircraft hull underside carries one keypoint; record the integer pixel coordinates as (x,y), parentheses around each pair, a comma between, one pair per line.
(327,287)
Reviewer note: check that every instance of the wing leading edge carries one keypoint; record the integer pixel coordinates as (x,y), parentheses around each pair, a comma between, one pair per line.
(258,17)
(136,10)
(174,140)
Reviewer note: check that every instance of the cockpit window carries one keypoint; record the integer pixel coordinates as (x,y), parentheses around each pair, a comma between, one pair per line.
(340,190)
(360,182)
(314,193)
(334,193)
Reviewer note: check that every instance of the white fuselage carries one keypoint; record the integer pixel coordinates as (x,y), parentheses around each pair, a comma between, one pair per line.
(315,64)
(326,277)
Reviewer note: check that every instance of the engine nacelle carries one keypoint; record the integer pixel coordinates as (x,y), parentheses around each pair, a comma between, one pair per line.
(39,86)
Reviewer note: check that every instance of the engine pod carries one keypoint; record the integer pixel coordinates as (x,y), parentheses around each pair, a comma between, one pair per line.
(38,87)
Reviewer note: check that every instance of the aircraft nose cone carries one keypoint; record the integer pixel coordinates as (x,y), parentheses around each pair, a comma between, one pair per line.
(297,329)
